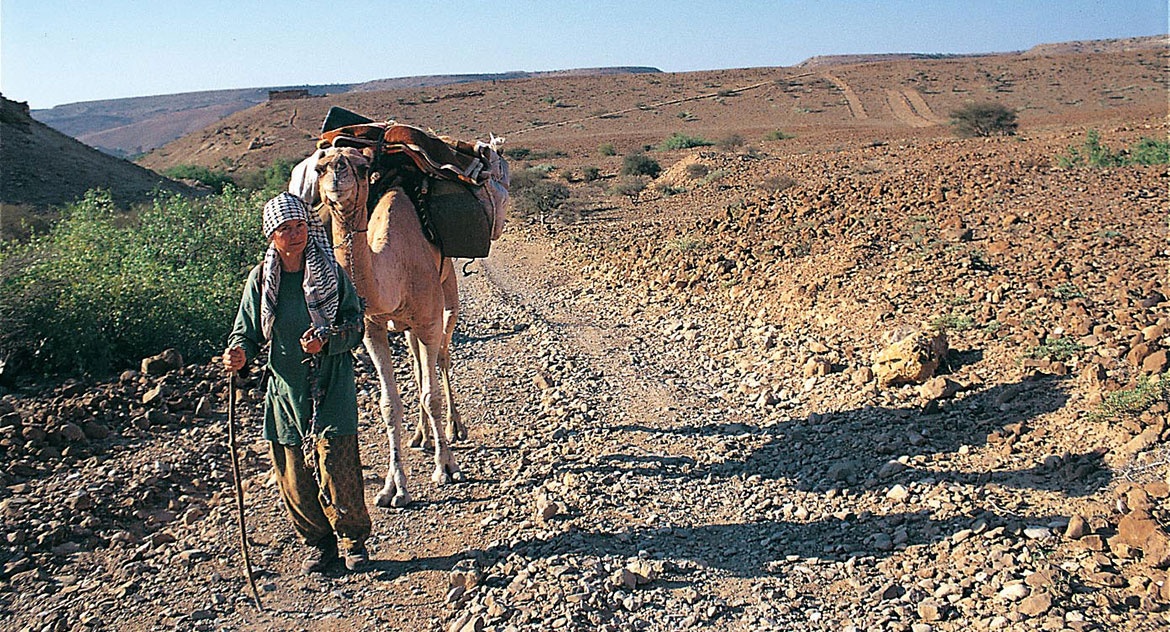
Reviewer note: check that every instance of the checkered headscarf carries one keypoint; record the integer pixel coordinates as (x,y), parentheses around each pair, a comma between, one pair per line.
(320,284)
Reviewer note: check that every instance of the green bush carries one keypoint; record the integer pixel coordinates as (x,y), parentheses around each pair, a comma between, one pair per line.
(1149,151)
(525,178)
(102,289)
(678,140)
(639,164)
(272,179)
(539,198)
(629,185)
(215,180)
(777,135)
(697,170)
(589,174)
(735,141)
(1093,153)
(1059,349)
(607,149)
(984,119)
(517,153)
(1131,402)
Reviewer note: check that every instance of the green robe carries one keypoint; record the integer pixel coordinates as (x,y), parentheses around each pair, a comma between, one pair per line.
(288,400)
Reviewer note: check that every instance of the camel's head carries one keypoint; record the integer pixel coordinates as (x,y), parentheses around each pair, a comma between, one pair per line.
(342,179)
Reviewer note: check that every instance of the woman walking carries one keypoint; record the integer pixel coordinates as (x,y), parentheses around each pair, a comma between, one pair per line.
(302,302)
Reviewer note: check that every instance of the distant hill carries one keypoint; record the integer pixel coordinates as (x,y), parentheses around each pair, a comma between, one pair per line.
(1059,48)
(132,126)
(41,167)
(1101,46)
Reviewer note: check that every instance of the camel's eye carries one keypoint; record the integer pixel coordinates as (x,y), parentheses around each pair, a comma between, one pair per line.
(362,170)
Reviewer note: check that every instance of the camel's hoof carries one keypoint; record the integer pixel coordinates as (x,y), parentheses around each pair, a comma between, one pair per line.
(387,500)
(456,433)
(441,477)
(416,442)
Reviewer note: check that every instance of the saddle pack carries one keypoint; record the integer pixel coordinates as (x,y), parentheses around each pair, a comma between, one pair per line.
(459,188)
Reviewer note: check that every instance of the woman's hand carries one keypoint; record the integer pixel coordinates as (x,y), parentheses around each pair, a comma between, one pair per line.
(233,359)
(310,343)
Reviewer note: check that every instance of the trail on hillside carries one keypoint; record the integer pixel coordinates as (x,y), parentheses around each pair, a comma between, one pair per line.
(855,106)
(903,106)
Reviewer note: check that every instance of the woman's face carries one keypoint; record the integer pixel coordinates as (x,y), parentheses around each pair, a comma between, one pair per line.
(290,238)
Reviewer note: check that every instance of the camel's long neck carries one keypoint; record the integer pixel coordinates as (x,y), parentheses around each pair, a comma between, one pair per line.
(351,247)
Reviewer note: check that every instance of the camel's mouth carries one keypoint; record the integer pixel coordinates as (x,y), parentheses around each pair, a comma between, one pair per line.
(339,192)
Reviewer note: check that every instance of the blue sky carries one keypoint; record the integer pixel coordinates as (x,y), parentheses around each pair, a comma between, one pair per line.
(64,51)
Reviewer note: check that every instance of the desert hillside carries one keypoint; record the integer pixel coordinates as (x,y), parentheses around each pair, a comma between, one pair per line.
(573,115)
(41,167)
(861,375)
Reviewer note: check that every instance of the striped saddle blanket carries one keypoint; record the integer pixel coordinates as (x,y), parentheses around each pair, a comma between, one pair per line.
(467,195)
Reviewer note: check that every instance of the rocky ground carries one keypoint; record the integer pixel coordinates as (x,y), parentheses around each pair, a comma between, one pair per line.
(679,421)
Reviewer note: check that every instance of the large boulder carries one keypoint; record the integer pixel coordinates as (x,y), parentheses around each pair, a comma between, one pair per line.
(910,359)
(163,363)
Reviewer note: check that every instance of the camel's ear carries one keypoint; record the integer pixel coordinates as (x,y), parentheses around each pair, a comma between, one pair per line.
(368,152)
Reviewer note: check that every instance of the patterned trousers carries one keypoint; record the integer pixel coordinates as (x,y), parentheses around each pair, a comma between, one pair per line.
(337,505)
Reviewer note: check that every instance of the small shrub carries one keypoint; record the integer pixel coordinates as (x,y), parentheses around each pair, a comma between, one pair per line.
(215,180)
(526,178)
(589,174)
(639,164)
(952,322)
(1149,151)
(714,176)
(272,179)
(538,199)
(697,170)
(687,243)
(1066,291)
(776,184)
(628,185)
(678,140)
(984,119)
(1091,153)
(777,135)
(1059,349)
(735,141)
(607,149)
(517,153)
(668,190)
(1129,402)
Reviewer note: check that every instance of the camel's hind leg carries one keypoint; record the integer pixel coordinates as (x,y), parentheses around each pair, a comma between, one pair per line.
(446,471)
(456,430)
(421,438)
(393,493)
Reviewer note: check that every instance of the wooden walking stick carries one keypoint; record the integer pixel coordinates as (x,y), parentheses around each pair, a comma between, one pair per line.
(239,486)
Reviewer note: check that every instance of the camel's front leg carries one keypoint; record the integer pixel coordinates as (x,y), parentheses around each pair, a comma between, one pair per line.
(421,439)
(393,493)
(456,431)
(446,471)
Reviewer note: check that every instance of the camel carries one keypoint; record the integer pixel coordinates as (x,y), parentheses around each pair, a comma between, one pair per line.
(408,286)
